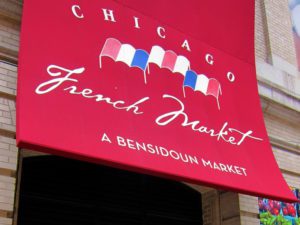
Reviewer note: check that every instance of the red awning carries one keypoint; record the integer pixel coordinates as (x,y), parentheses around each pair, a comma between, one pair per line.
(165,88)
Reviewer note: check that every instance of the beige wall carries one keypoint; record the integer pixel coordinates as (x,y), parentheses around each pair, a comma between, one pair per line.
(10,12)
(279,87)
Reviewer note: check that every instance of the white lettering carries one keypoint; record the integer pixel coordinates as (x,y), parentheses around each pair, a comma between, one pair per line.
(237,170)
(54,83)
(230,170)
(163,151)
(186,45)
(230,76)
(75,9)
(194,159)
(244,135)
(98,98)
(223,133)
(130,143)
(108,15)
(136,22)
(121,141)
(174,154)
(206,163)
(159,32)
(222,167)
(105,138)
(244,171)
(216,167)
(155,150)
(209,59)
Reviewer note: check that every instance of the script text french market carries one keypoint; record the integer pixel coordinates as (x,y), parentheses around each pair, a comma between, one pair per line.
(63,75)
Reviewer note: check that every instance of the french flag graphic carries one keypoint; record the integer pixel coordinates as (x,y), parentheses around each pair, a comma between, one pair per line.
(125,53)
(207,86)
(168,59)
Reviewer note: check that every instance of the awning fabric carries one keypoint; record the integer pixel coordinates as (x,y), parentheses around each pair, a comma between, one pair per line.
(160,87)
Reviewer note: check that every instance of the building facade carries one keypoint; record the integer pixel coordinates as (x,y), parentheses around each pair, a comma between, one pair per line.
(279,88)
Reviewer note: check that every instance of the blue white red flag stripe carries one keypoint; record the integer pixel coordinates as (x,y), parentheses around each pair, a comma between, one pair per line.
(111,48)
(207,86)
(127,54)
(169,60)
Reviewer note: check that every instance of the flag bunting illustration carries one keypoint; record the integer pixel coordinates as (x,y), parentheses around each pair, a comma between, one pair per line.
(140,58)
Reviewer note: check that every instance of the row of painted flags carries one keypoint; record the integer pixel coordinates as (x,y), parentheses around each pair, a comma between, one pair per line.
(127,54)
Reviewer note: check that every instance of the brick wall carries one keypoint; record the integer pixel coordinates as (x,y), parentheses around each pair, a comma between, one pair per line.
(229,208)
(262,45)
(8,149)
(211,208)
(10,12)
(279,30)
(280,91)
